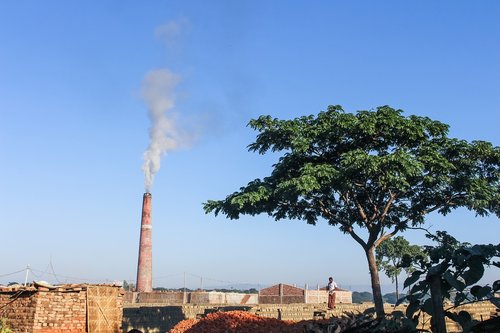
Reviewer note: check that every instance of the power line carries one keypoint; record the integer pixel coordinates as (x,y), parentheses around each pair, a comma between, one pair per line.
(8,274)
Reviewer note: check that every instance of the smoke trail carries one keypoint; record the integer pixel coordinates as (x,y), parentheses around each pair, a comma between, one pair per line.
(158,92)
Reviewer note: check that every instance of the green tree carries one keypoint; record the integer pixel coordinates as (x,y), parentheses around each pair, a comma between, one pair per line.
(374,170)
(390,255)
(361,296)
(392,298)
(447,272)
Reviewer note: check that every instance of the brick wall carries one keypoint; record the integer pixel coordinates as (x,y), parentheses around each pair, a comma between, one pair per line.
(62,309)
(281,294)
(197,297)
(155,297)
(18,306)
(321,296)
(286,294)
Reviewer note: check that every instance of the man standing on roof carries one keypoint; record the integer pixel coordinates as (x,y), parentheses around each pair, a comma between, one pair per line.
(331,293)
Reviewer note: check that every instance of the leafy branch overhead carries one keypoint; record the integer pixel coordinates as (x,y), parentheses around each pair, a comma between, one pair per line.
(376,169)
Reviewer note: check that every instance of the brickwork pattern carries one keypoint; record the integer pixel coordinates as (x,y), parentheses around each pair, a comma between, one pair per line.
(321,296)
(19,309)
(61,309)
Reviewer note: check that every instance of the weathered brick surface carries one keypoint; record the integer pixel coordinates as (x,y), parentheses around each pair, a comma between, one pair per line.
(60,311)
(281,294)
(197,297)
(32,310)
(18,307)
(156,297)
(321,296)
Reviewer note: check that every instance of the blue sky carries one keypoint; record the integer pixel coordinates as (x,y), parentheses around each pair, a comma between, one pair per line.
(74,126)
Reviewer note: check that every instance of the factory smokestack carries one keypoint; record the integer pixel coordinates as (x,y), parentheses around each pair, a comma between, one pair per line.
(145,262)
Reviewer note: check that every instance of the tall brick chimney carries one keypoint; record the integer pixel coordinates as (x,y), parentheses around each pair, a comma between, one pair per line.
(145,264)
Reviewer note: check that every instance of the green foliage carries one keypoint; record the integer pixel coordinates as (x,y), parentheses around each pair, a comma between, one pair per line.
(391,255)
(458,267)
(375,170)
(392,298)
(4,328)
(128,286)
(360,297)
(365,296)
(337,160)
(367,323)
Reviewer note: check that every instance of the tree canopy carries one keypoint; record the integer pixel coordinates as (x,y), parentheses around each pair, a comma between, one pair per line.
(377,170)
(391,255)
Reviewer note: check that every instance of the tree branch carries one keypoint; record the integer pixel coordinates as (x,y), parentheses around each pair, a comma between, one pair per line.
(385,237)
(375,208)
(363,214)
(387,206)
(358,239)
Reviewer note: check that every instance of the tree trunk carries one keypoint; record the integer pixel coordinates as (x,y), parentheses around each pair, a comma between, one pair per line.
(438,323)
(377,293)
(397,289)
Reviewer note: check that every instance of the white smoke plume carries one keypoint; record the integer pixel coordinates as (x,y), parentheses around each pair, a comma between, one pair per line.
(158,92)
(171,33)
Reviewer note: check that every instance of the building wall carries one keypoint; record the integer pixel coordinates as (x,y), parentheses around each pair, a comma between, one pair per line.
(281,294)
(34,311)
(60,310)
(18,307)
(321,296)
(197,297)
(286,294)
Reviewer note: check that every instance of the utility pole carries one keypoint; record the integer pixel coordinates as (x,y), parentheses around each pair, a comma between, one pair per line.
(26,278)
(184,296)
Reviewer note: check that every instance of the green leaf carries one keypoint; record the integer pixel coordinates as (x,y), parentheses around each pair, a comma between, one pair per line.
(427,306)
(413,307)
(479,292)
(465,320)
(415,276)
(458,285)
(496,285)
(475,271)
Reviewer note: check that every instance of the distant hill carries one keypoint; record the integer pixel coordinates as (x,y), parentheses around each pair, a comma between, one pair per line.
(365,296)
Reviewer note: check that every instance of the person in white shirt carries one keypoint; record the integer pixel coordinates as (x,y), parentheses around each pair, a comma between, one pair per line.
(331,293)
